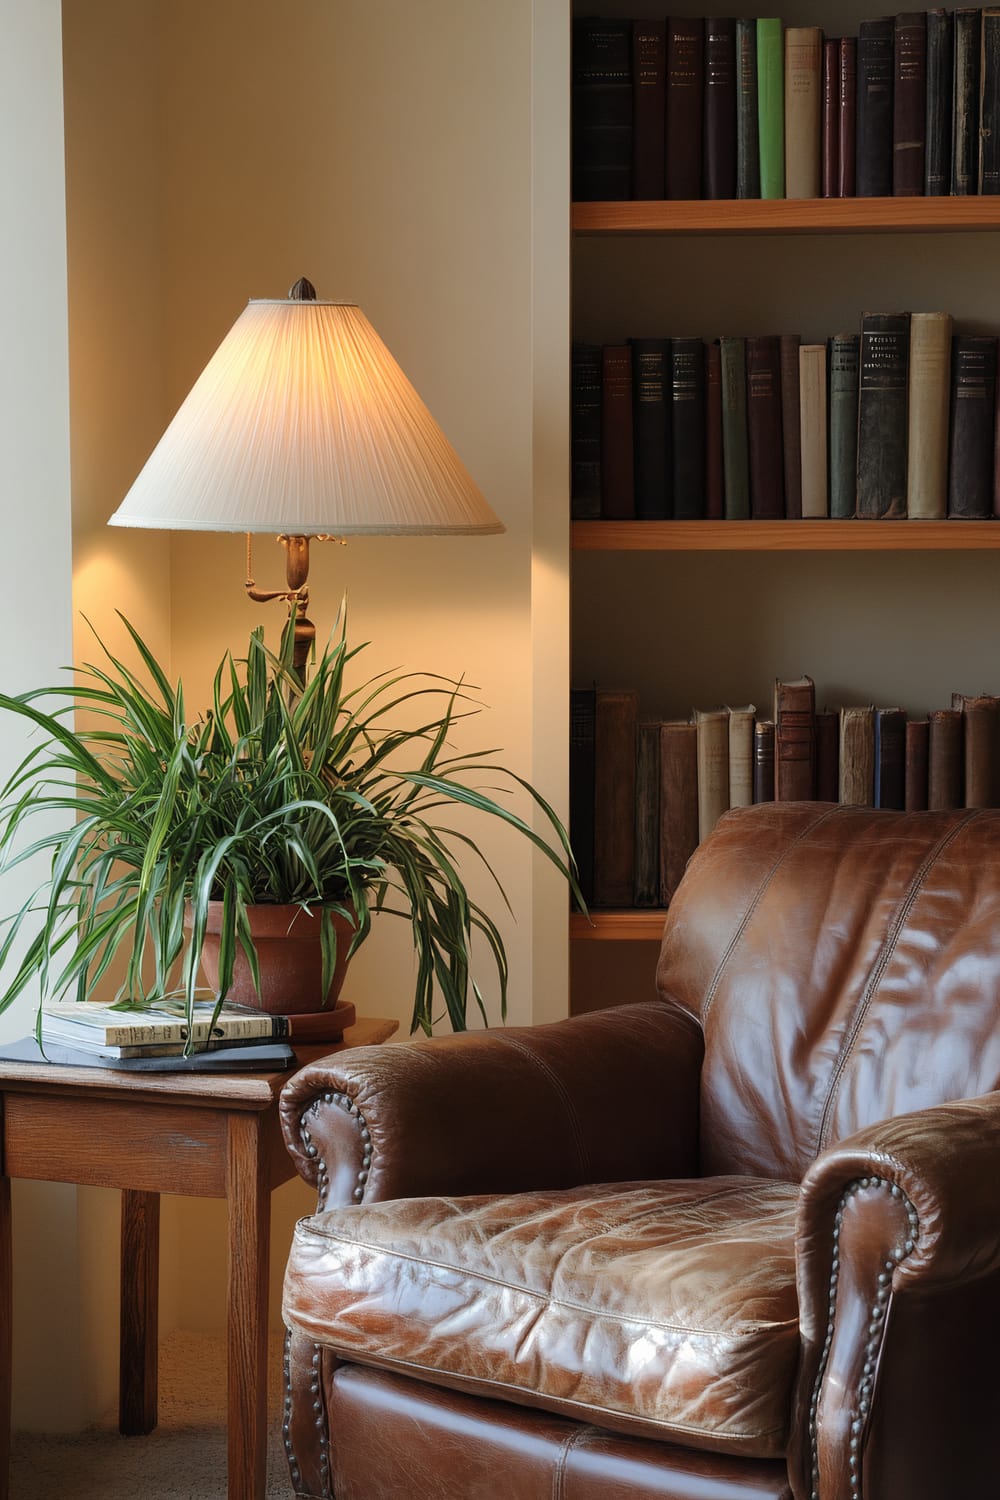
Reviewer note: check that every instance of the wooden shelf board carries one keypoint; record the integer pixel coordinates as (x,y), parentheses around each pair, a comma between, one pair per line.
(618,926)
(790,216)
(784,536)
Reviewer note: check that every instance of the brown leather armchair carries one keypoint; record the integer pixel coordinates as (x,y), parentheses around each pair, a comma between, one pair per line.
(738,1242)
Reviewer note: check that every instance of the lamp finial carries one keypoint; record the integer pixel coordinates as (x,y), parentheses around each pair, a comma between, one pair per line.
(302,291)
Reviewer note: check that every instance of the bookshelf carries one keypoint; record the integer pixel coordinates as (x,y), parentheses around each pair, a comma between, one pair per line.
(694,613)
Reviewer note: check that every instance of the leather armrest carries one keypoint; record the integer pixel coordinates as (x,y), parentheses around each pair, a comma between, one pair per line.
(606,1097)
(903,1213)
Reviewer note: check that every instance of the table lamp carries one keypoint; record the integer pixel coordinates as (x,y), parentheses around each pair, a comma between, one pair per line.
(302,425)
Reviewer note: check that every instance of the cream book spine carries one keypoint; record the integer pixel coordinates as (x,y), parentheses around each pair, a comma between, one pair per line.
(803,110)
(929,396)
(713,767)
(813,430)
(741,722)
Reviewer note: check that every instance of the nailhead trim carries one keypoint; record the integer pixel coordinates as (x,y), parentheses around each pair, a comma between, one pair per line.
(347,1104)
(875,1327)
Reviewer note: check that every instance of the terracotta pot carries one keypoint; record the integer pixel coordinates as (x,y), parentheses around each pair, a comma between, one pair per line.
(289,955)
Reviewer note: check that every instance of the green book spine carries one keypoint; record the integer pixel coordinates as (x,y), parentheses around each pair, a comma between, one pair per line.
(735,453)
(844,424)
(771,107)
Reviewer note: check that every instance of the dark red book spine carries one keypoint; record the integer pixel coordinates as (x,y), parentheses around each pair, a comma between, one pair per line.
(828,755)
(917,742)
(767,486)
(617,447)
(684,113)
(830,121)
(848,85)
(715,495)
(720,109)
(649,95)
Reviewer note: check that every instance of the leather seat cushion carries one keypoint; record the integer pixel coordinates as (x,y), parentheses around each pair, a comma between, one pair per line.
(666,1308)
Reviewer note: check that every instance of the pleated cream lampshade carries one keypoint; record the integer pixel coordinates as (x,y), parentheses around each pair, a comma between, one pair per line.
(302,423)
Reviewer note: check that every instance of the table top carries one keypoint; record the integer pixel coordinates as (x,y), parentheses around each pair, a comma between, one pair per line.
(209,1090)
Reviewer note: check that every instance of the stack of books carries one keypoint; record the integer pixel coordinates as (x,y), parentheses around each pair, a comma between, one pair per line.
(683,108)
(156,1036)
(644,793)
(896,421)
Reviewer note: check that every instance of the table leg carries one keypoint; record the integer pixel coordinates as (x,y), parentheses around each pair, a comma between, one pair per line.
(249,1200)
(138,1341)
(6,1317)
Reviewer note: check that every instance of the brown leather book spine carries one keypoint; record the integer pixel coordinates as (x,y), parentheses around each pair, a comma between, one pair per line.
(917,763)
(615,730)
(763,760)
(981,735)
(767,483)
(909,104)
(678,802)
(945,759)
(795,740)
(828,755)
(617,443)
(857,756)
(715,490)
(830,122)
(684,112)
(848,84)
(649,94)
(791,430)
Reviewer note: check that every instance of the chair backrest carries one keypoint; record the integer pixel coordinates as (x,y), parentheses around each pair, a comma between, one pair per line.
(845,967)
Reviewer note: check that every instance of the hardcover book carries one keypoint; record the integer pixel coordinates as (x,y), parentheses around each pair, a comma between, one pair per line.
(791,425)
(890,758)
(965,137)
(940,109)
(585,420)
(973,420)
(795,740)
(616,719)
(713,767)
(945,759)
(803,110)
(678,802)
(617,446)
(771,107)
(741,755)
(646,886)
(688,427)
(989,103)
(763,760)
(715,489)
(602,109)
(582,709)
(981,743)
(909,104)
(843,445)
(828,755)
(917,765)
(735,449)
(720,109)
(767,484)
(747,126)
(874,112)
(928,421)
(830,120)
(651,427)
(857,756)
(882,425)
(847,155)
(685,107)
(649,95)
(813,418)
(108,1030)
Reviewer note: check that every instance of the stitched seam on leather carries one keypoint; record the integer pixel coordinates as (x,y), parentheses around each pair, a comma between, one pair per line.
(749,1330)
(755,901)
(888,949)
(389,1361)
(559,1473)
(561,1090)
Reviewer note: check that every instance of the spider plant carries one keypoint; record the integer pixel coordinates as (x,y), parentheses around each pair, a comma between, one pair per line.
(277,793)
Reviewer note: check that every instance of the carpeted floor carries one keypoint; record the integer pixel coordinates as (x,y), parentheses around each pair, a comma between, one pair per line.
(184,1459)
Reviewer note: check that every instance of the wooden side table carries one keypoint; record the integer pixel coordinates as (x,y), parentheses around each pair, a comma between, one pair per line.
(203,1135)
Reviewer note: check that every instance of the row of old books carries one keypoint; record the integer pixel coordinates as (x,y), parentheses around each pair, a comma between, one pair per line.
(724,108)
(899,420)
(643,794)
(155,1036)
